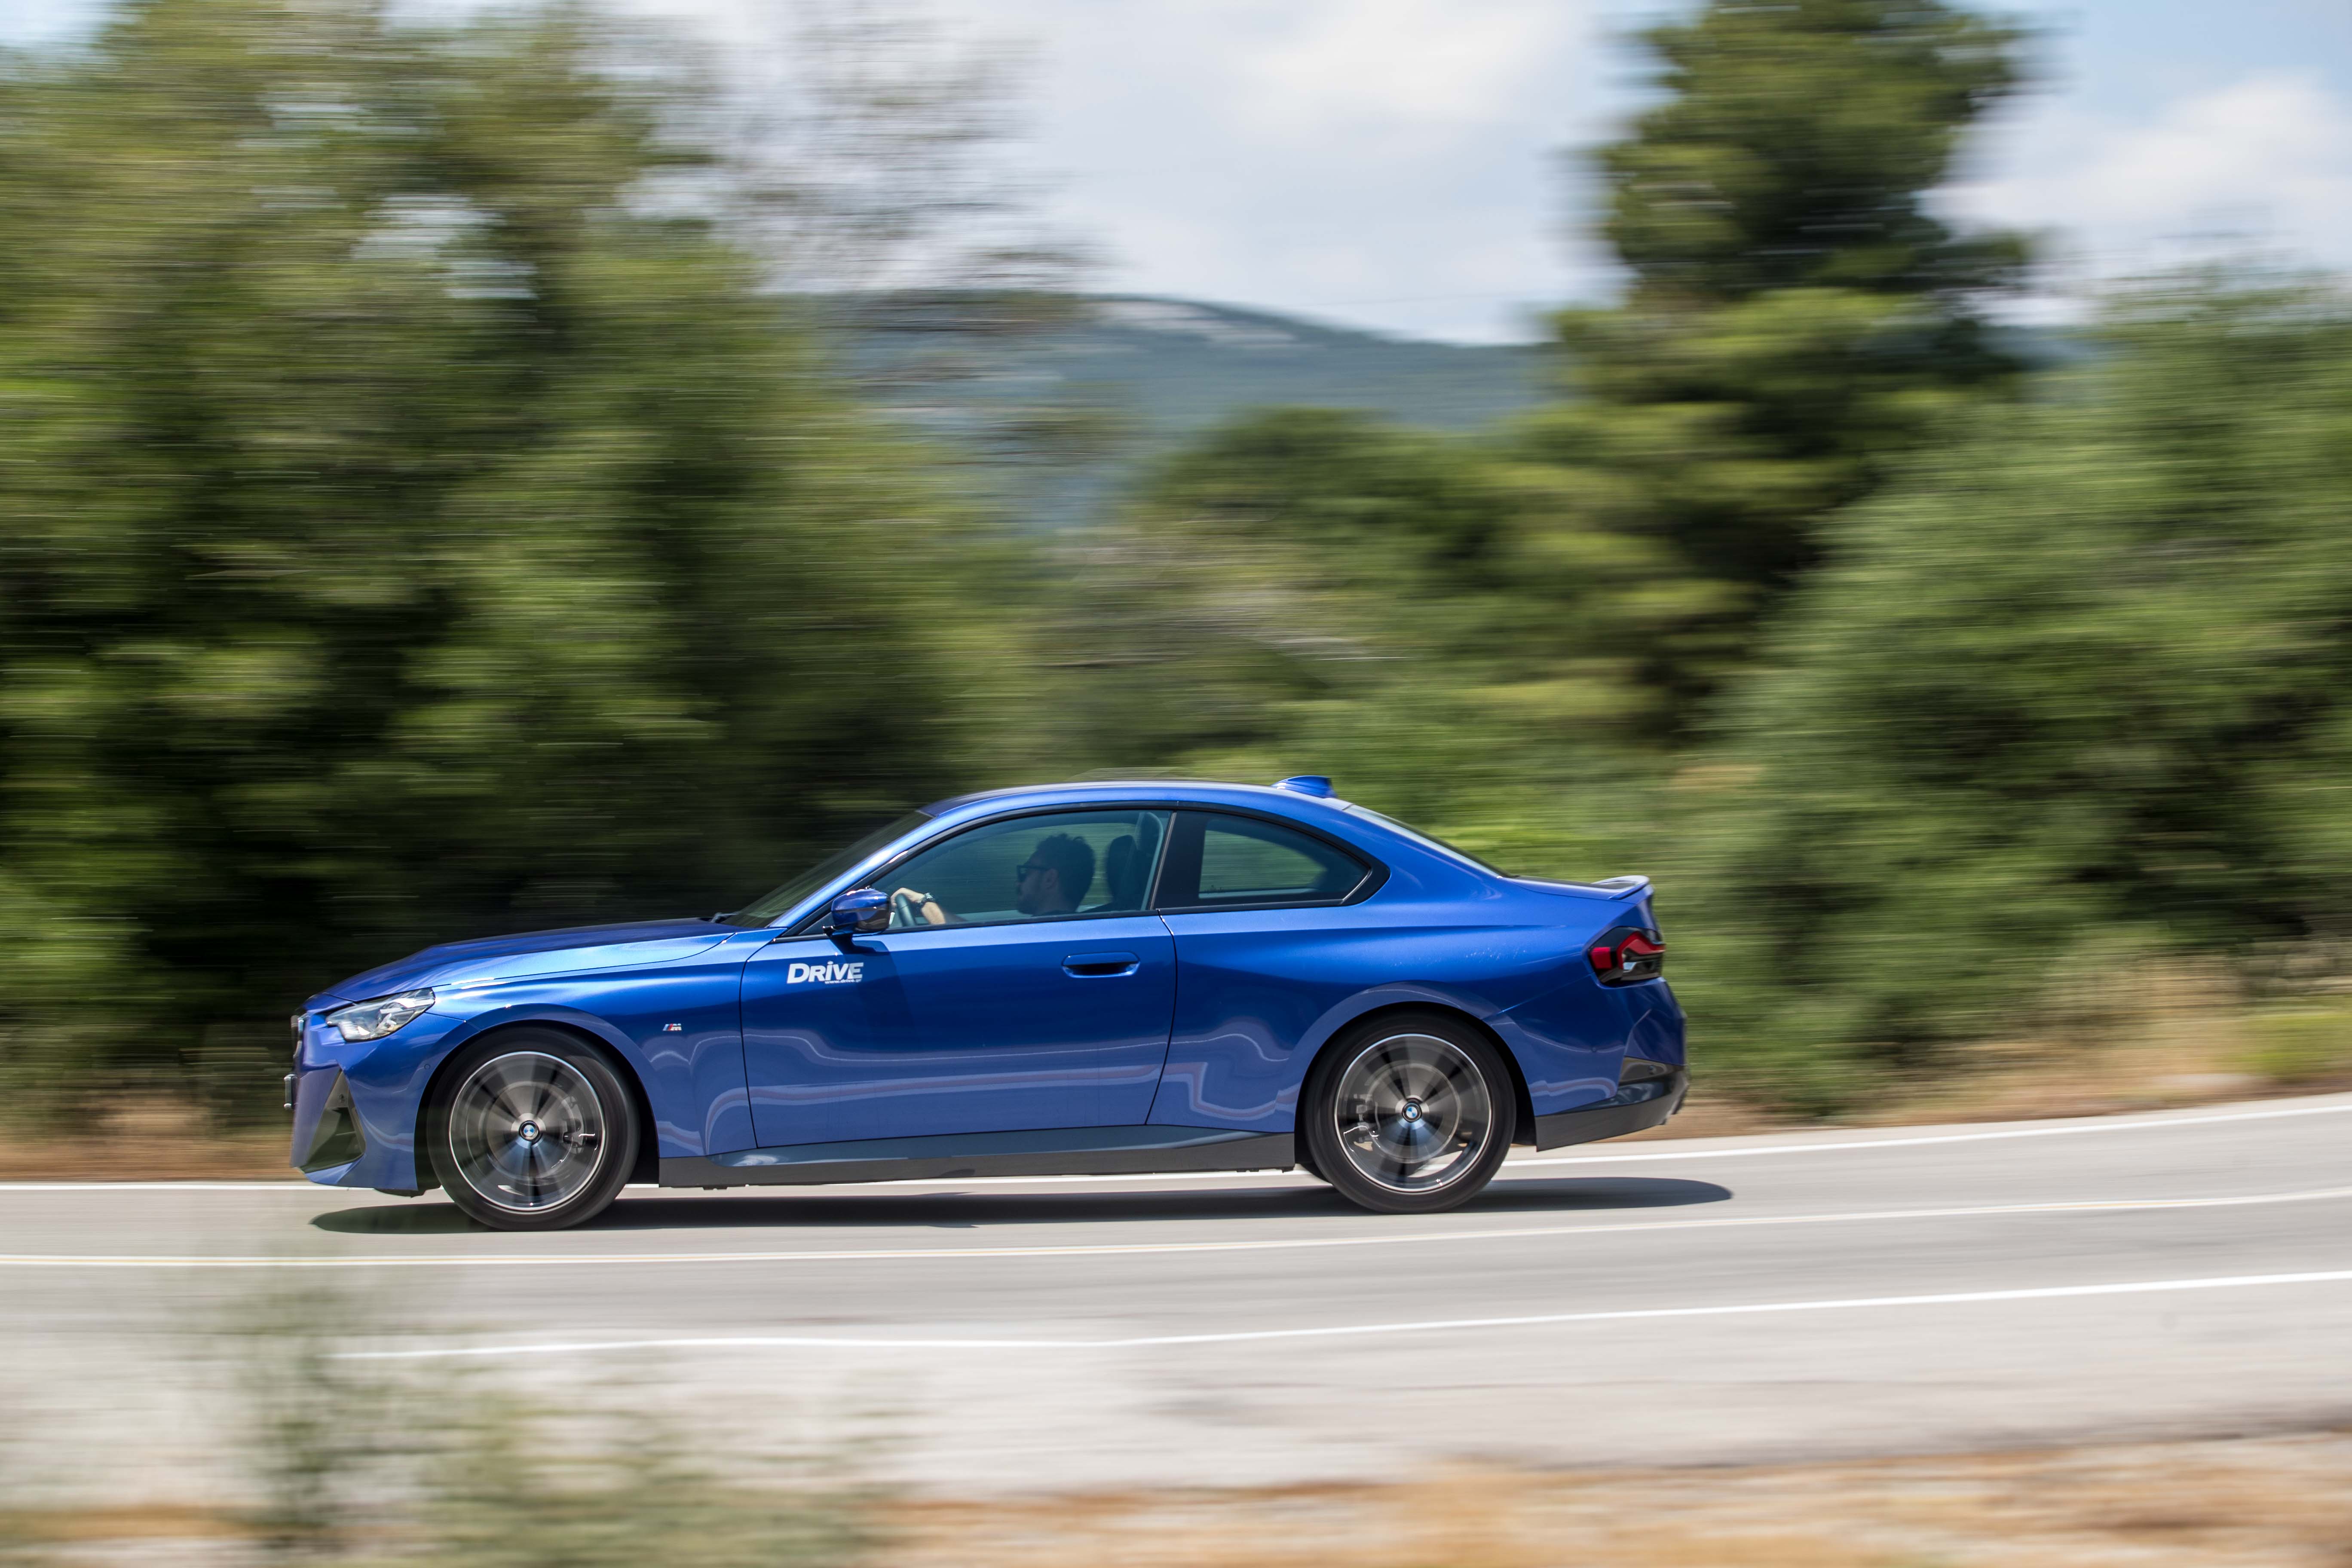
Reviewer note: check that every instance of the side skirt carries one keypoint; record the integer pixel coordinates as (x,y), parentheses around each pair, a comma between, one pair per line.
(1662,1097)
(1052,1151)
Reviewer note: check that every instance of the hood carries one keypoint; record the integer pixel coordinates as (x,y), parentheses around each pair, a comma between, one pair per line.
(564,952)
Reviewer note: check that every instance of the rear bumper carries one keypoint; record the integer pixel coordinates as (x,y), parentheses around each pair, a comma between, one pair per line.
(1635,1108)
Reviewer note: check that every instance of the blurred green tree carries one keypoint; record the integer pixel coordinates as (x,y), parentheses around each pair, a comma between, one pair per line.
(1796,319)
(2076,691)
(1431,620)
(417,518)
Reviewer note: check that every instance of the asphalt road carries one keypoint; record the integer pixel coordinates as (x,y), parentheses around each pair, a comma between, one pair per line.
(1696,1302)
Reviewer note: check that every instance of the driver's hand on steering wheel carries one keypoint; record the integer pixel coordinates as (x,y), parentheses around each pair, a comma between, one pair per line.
(924,905)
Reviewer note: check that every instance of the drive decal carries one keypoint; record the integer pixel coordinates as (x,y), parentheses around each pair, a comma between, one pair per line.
(826,974)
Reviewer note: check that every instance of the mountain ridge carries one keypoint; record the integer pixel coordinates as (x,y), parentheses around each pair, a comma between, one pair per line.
(1134,376)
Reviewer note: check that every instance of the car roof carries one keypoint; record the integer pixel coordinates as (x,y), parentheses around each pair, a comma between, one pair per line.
(1080,791)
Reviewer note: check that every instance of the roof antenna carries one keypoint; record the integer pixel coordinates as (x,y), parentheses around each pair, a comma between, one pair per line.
(1317,785)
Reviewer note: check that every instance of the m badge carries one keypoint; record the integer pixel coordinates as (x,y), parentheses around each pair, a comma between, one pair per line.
(826,974)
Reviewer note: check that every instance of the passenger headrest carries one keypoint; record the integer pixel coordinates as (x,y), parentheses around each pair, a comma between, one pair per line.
(1123,874)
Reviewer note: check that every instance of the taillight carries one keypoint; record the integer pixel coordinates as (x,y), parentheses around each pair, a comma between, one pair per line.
(1627,955)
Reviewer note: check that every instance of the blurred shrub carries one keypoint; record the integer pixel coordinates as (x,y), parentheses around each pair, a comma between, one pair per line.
(363,1462)
(417,518)
(1313,589)
(2080,688)
(326,1441)
(2301,1045)
(505,1496)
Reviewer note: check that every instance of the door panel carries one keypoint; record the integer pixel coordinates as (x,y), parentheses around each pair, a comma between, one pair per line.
(1255,983)
(985,1028)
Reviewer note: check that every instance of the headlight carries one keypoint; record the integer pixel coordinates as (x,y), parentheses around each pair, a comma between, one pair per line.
(375,1020)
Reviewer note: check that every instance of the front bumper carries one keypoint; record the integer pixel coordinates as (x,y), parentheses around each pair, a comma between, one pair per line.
(335,1139)
(1636,1108)
(354,1104)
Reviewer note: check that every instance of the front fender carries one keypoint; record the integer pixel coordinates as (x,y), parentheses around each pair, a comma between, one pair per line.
(678,1027)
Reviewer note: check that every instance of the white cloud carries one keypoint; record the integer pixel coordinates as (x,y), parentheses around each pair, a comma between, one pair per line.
(1389,162)
(2263,164)
(1422,65)
(1382,161)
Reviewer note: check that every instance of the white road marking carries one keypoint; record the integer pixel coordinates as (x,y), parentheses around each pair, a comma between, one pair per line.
(2060,1130)
(1439,1325)
(1105,1249)
(2055,1130)
(278,1185)
(1525,1163)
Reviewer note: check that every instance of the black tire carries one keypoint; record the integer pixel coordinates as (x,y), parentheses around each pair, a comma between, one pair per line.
(1411,1113)
(531,1130)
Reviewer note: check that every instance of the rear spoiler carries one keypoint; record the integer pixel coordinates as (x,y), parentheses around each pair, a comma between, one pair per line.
(1617,890)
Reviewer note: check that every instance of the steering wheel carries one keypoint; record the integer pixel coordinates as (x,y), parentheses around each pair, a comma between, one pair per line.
(905,911)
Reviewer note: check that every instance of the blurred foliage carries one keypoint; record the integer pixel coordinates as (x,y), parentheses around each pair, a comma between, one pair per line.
(2302,1045)
(1797,320)
(408,526)
(1435,623)
(353,1462)
(505,1495)
(318,1434)
(2074,689)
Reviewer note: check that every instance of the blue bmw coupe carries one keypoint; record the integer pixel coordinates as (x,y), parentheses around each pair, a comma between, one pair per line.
(1076,979)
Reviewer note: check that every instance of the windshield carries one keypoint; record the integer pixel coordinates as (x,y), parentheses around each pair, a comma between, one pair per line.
(1418,836)
(762,910)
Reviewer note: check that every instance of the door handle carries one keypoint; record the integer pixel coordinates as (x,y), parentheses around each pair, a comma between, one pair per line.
(1099,966)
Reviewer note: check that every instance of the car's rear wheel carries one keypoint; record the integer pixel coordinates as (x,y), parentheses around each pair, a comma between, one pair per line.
(533,1130)
(1411,1115)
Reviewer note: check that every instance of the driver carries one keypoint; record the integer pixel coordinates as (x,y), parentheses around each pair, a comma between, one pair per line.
(1053,880)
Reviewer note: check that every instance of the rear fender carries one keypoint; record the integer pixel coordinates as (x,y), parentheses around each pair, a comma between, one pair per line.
(1187,1103)
(1526,1116)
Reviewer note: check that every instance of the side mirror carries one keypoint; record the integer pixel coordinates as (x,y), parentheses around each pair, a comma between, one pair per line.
(861,911)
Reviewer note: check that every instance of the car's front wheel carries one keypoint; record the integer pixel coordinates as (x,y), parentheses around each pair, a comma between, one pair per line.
(533,1130)
(1411,1115)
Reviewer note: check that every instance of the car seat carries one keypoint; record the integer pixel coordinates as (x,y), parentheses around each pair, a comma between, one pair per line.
(1127,864)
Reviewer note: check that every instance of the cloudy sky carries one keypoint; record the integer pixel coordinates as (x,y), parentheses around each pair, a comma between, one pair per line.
(1399,164)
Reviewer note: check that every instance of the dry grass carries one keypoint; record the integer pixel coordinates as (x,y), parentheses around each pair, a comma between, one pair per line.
(2157,1039)
(149,1522)
(2274,1502)
(148,1139)
(2279,1500)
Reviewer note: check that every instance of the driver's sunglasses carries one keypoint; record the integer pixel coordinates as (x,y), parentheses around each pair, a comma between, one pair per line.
(1021,873)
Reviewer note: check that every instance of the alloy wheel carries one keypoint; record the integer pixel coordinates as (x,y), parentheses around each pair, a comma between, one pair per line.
(527,1132)
(1413,1112)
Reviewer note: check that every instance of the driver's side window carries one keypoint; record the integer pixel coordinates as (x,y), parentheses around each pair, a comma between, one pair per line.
(1045,867)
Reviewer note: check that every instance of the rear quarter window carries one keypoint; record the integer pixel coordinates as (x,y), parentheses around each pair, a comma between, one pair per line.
(1217,861)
